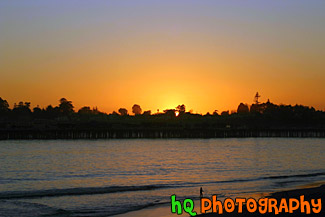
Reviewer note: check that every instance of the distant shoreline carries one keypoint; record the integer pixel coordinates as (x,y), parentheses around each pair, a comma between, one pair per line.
(159,134)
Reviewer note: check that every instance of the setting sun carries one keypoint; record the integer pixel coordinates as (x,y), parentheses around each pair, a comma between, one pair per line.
(176,113)
(163,54)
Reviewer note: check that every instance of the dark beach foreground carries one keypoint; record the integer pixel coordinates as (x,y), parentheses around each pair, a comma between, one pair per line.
(309,193)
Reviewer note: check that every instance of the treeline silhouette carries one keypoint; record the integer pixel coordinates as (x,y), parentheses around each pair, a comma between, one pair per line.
(62,121)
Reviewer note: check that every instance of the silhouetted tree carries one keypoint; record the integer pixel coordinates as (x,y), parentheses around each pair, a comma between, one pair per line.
(52,112)
(263,107)
(115,113)
(181,109)
(136,109)
(242,108)
(256,108)
(170,112)
(85,110)
(268,116)
(147,113)
(37,112)
(123,111)
(49,108)
(22,105)
(257,95)
(225,113)
(22,110)
(4,106)
(96,111)
(66,106)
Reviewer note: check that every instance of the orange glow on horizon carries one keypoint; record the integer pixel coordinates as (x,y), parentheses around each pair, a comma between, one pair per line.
(208,56)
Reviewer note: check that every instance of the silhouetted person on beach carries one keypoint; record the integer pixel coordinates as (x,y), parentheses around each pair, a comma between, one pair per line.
(201,192)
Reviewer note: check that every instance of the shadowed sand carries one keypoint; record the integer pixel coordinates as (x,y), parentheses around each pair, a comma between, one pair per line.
(309,193)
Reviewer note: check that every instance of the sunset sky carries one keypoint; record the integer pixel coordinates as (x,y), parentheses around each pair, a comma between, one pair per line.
(206,54)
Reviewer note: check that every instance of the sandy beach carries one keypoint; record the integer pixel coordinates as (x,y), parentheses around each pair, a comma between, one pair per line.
(310,192)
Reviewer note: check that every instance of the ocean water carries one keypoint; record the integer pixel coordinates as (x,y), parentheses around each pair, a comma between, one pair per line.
(108,177)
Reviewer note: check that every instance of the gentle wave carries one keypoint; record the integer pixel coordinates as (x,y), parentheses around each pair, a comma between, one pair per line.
(27,209)
(260,178)
(297,176)
(116,189)
(77,191)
